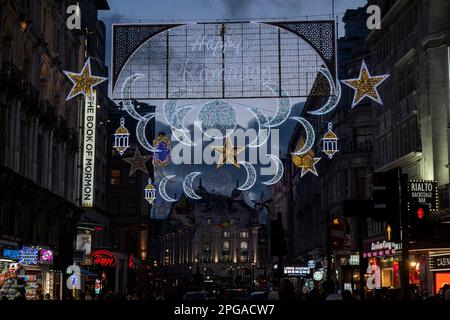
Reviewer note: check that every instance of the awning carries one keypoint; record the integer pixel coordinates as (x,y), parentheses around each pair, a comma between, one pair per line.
(88,273)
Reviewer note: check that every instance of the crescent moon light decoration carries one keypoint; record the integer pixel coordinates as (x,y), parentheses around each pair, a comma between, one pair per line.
(279,170)
(263,132)
(187,186)
(335,94)
(251,176)
(140,132)
(310,136)
(283,108)
(162,189)
(126,96)
(175,118)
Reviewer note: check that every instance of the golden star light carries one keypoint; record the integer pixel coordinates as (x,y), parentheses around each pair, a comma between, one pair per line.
(306,162)
(228,153)
(365,85)
(83,82)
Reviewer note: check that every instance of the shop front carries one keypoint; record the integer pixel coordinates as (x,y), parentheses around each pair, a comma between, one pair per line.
(32,269)
(384,260)
(440,269)
(349,272)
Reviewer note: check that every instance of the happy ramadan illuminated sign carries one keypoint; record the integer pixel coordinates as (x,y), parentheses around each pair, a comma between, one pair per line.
(87,190)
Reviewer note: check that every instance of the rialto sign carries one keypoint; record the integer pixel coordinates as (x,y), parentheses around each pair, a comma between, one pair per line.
(424,192)
(87,191)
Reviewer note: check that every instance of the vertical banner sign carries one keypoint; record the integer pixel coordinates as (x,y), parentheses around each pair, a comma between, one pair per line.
(87,192)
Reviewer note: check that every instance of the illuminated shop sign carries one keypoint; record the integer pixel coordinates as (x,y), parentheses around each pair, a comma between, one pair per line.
(424,192)
(297,271)
(28,255)
(104,258)
(354,260)
(440,262)
(45,256)
(384,248)
(87,190)
(11,253)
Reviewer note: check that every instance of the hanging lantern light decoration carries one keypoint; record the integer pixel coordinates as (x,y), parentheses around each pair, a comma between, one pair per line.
(329,142)
(163,144)
(150,192)
(122,138)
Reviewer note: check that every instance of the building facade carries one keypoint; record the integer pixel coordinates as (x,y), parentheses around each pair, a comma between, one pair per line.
(411,128)
(218,237)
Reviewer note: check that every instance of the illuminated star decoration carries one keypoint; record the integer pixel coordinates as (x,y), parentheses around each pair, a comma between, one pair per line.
(83,82)
(306,162)
(228,153)
(137,162)
(309,166)
(365,85)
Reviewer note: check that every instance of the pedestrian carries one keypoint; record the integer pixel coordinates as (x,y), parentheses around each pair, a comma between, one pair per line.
(347,295)
(20,295)
(273,293)
(88,296)
(446,292)
(330,291)
(286,291)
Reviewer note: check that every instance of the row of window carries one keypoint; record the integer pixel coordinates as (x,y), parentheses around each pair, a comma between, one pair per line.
(242,234)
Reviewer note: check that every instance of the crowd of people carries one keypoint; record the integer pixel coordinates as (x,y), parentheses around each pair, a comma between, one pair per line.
(282,290)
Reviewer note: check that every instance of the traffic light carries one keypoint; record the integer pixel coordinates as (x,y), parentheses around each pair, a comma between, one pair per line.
(420,223)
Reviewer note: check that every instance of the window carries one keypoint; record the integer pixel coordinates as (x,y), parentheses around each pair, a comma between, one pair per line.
(226,234)
(209,220)
(206,256)
(244,246)
(115,177)
(362,135)
(243,235)
(226,251)
(132,206)
(115,206)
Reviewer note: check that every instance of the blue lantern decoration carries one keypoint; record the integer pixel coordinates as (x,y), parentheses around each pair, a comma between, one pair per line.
(163,144)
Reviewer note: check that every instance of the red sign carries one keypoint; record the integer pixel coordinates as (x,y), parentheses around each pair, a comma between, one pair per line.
(104,258)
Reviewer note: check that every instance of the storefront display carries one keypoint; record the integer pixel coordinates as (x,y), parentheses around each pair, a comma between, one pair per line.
(440,267)
(30,267)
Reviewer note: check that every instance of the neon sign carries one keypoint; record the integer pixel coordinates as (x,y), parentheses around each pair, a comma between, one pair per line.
(104,258)
(45,256)
(28,255)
